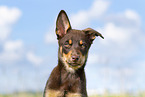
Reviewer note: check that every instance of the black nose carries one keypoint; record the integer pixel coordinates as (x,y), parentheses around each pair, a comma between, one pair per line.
(75,58)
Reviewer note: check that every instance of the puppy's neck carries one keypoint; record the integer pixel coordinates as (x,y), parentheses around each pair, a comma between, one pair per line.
(63,68)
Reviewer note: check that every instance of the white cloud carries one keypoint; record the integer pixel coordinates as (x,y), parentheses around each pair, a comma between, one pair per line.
(84,17)
(12,52)
(121,36)
(132,15)
(116,34)
(95,59)
(127,18)
(10,46)
(4,33)
(50,38)
(36,60)
(8,16)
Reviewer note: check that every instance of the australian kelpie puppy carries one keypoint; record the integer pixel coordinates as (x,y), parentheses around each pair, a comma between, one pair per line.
(68,78)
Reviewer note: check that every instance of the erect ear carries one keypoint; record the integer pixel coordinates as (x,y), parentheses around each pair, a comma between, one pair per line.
(91,33)
(62,24)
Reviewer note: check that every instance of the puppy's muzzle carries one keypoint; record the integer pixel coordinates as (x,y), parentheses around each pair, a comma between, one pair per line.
(75,58)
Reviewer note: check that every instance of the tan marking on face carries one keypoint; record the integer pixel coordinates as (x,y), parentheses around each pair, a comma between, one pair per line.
(68,55)
(60,49)
(65,58)
(70,68)
(70,42)
(81,42)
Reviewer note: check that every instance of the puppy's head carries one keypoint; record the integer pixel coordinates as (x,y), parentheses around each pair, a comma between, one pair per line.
(73,44)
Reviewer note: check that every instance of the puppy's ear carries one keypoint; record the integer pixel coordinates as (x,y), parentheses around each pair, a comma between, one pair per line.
(62,24)
(91,33)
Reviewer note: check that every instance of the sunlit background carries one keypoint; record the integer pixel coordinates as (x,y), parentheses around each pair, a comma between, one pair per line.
(28,44)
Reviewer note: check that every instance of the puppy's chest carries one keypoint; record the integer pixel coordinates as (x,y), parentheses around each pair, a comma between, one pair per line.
(70,81)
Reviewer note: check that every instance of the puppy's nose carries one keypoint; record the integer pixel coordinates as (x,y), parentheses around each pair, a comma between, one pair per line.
(75,58)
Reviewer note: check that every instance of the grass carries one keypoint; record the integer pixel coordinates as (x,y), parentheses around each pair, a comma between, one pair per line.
(23,94)
(140,94)
(39,94)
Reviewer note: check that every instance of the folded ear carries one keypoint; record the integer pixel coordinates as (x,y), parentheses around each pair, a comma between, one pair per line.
(91,33)
(62,24)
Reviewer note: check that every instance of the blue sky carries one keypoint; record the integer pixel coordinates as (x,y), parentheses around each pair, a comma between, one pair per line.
(28,44)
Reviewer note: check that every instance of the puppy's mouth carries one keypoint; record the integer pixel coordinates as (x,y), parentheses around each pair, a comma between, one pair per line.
(74,64)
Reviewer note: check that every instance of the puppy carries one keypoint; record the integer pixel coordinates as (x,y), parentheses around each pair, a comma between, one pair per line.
(68,78)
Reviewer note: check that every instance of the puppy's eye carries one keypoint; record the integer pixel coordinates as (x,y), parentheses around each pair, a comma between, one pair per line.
(82,44)
(68,44)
